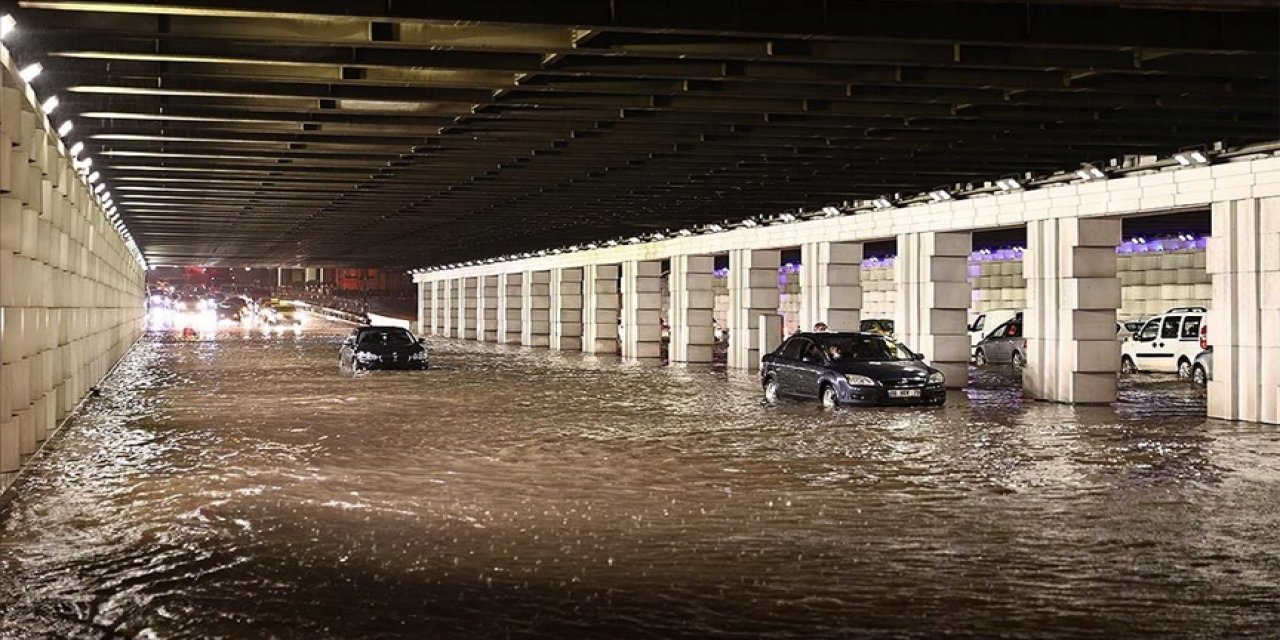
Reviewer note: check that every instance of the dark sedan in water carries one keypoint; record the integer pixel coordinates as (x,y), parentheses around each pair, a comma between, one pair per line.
(382,348)
(850,368)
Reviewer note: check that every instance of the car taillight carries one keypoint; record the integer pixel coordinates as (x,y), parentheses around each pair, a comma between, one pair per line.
(1204,337)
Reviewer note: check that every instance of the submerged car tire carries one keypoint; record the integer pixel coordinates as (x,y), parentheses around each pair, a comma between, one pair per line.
(1199,375)
(771,390)
(1127,365)
(1184,368)
(1019,361)
(980,358)
(829,398)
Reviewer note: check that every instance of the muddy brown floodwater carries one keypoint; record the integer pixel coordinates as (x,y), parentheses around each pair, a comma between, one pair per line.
(245,487)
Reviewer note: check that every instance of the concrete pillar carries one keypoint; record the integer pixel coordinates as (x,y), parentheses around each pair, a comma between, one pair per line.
(831,285)
(692,305)
(510,307)
(436,309)
(466,328)
(566,309)
(535,309)
(933,300)
(642,309)
(601,305)
(450,317)
(1244,320)
(1072,297)
(753,291)
(424,308)
(487,309)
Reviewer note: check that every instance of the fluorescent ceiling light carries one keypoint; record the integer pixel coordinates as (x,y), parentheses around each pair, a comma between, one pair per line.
(76,149)
(65,128)
(7,25)
(31,72)
(100,188)
(940,195)
(1008,184)
(882,203)
(92,177)
(1194,158)
(1089,173)
(50,105)
(831,211)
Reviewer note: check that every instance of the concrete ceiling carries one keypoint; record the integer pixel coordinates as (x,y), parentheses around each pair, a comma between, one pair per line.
(399,133)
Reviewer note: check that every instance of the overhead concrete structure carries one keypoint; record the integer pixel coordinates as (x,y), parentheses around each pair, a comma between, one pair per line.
(411,133)
(71,289)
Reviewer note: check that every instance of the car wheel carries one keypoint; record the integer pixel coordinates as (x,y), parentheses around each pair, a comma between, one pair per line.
(1019,361)
(829,399)
(1184,368)
(1200,376)
(771,390)
(1127,365)
(980,358)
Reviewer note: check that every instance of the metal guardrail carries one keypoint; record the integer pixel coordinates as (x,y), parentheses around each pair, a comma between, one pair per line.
(335,314)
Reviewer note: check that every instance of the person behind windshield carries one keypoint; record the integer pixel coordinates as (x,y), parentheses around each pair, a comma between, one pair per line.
(820,327)
(834,352)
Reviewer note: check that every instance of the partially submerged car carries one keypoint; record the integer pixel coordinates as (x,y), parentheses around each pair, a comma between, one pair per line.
(382,348)
(850,368)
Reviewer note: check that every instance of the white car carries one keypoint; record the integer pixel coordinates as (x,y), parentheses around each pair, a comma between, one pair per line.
(988,321)
(1167,343)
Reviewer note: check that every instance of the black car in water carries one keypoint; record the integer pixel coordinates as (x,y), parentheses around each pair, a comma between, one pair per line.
(382,348)
(850,368)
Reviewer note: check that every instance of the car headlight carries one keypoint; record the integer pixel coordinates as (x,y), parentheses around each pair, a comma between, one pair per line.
(365,356)
(421,355)
(859,381)
(937,378)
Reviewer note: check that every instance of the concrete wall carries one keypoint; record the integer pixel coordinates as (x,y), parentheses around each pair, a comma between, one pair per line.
(71,291)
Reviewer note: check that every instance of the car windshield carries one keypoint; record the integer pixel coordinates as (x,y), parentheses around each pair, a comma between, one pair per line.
(865,348)
(388,337)
(286,309)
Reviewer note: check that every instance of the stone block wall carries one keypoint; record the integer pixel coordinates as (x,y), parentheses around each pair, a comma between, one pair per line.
(71,290)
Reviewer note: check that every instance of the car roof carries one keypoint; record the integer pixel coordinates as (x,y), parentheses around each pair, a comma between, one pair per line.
(836,334)
(382,327)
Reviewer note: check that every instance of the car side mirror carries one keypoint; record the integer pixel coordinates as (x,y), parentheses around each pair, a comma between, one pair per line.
(422,341)
(919,356)
(346,342)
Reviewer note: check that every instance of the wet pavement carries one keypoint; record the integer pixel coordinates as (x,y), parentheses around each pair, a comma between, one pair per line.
(245,487)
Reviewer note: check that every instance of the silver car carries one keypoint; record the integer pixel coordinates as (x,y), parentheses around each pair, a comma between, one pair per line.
(1202,368)
(1004,345)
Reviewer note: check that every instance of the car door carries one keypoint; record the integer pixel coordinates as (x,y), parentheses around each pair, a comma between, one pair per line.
(996,348)
(1159,353)
(1188,345)
(785,364)
(808,372)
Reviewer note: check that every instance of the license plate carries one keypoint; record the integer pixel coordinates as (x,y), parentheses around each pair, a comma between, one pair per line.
(904,393)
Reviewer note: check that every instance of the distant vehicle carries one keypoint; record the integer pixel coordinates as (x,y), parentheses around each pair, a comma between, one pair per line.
(882,326)
(1202,368)
(1166,343)
(382,348)
(282,315)
(1126,329)
(232,309)
(986,322)
(850,368)
(1006,344)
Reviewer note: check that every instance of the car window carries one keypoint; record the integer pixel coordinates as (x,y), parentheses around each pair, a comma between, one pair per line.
(389,337)
(1191,328)
(1151,330)
(864,348)
(1169,328)
(813,353)
(977,324)
(791,350)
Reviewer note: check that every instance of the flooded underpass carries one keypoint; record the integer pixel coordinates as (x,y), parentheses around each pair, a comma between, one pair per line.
(245,487)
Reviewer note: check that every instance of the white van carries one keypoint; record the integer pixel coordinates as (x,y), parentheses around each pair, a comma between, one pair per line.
(988,321)
(1167,343)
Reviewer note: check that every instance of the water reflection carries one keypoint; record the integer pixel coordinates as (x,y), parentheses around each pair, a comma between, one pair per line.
(246,487)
